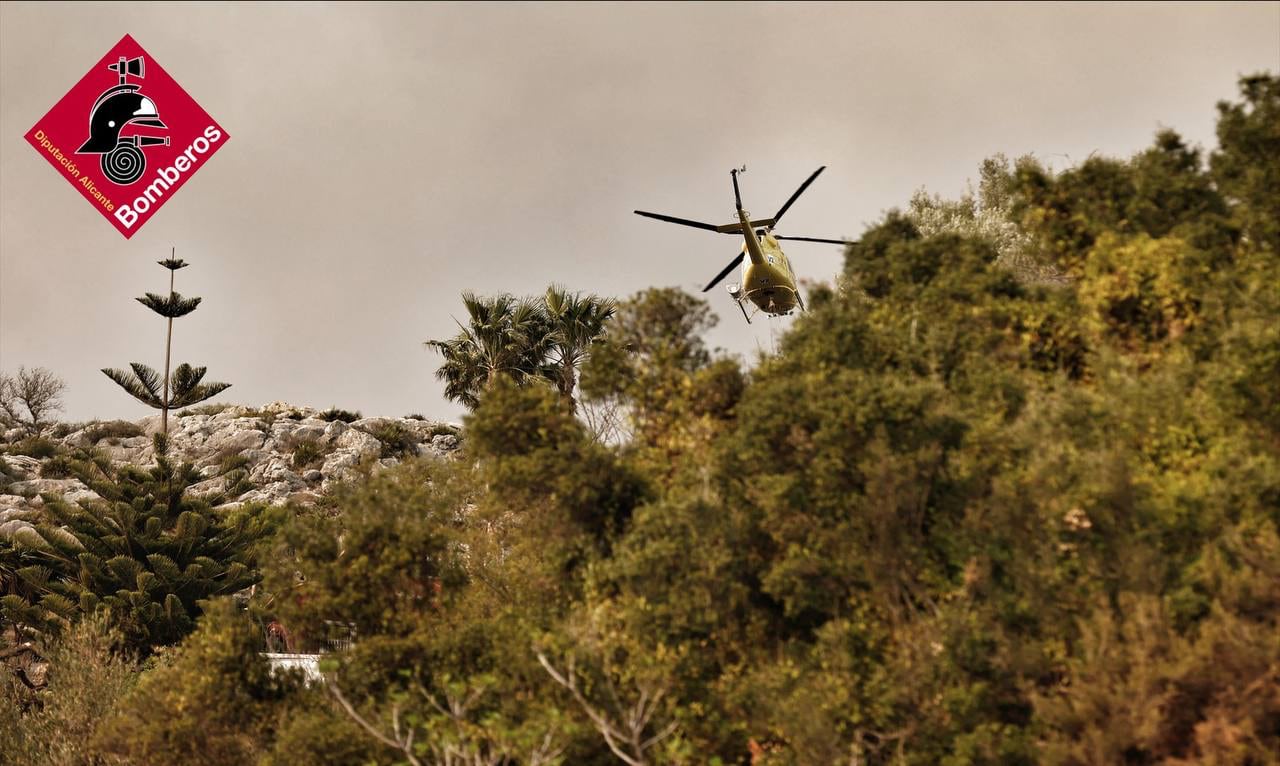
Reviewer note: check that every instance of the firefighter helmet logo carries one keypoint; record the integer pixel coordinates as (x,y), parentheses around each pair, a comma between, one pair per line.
(122,157)
(144,139)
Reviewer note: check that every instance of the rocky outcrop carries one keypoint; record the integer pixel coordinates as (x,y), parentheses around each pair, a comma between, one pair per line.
(287,453)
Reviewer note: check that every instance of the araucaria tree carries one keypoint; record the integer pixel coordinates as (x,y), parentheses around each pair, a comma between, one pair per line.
(184,387)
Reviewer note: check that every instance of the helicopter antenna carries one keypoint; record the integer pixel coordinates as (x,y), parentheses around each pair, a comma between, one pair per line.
(737,197)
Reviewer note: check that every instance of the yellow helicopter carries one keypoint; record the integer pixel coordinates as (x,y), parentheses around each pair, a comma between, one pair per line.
(767,279)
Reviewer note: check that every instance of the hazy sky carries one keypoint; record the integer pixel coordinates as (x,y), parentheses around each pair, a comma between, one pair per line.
(385,158)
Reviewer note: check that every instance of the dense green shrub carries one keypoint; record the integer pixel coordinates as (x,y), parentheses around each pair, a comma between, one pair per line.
(333,413)
(86,676)
(35,446)
(113,429)
(397,441)
(307,452)
(218,697)
(147,554)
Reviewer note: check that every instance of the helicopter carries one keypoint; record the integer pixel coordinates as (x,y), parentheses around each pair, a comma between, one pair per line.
(768,281)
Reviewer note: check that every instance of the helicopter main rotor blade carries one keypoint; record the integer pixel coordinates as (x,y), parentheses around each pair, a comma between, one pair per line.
(815,239)
(681,221)
(719,277)
(799,191)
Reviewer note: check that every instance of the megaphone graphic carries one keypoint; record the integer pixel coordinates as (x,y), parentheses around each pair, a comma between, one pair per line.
(131,67)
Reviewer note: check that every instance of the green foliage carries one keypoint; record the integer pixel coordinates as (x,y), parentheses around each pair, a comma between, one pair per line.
(441,601)
(538,457)
(505,336)
(1008,493)
(523,340)
(657,369)
(218,698)
(166,391)
(112,429)
(443,429)
(35,446)
(316,733)
(306,452)
(397,441)
(333,414)
(185,386)
(205,409)
(147,555)
(379,565)
(86,676)
(171,306)
(1244,167)
(57,467)
(578,324)
(986,216)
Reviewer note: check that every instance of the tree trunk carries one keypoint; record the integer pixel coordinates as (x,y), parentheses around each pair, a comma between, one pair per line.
(567,382)
(168,344)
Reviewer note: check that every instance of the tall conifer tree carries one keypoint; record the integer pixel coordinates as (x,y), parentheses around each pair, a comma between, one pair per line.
(181,389)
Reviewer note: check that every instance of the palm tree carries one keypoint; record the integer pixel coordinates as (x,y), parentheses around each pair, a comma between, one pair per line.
(578,322)
(503,336)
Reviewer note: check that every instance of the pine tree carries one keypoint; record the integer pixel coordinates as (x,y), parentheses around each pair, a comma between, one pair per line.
(147,554)
(184,388)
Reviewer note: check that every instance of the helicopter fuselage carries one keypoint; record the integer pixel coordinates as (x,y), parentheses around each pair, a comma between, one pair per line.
(767,278)
(768,281)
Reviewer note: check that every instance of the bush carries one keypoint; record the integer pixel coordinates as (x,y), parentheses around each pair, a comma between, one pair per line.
(333,413)
(205,409)
(62,430)
(217,695)
(415,416)
(86,677)
(57,467)
(37,447)
(397,441)
(148,554)
(306,452)
(443,429)
(113,429)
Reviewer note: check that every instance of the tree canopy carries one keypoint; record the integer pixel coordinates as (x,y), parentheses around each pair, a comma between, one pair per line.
(1008,493)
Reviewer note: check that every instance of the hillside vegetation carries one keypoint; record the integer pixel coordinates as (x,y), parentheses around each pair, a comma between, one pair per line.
(1009,493)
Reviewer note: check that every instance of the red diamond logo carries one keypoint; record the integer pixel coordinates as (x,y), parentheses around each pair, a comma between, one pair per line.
(127,136)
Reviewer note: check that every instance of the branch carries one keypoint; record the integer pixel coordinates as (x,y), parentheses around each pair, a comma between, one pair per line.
(602,724)
(405,747)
